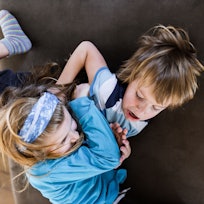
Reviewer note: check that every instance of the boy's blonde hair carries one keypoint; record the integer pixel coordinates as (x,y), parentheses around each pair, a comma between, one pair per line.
(167,60)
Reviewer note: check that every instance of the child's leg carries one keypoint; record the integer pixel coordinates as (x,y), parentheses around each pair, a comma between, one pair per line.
(14,39)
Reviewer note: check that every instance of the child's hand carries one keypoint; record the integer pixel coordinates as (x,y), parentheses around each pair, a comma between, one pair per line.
(123,143)
(81,90)
(119,133)
(125,150)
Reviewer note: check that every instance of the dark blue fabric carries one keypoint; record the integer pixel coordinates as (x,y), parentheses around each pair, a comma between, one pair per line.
(117,93)
(10,78)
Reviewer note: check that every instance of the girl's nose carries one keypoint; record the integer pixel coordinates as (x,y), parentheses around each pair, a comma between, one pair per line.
(74,136)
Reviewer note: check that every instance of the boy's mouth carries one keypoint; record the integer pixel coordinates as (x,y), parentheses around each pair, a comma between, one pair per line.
(133,115)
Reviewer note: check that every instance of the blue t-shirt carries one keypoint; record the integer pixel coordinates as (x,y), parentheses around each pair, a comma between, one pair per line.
(86,176)
(108,93)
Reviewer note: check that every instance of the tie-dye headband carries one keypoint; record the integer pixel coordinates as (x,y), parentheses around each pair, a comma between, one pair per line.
(39,117)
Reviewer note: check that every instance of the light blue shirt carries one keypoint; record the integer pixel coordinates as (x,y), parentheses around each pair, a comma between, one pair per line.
(87,175)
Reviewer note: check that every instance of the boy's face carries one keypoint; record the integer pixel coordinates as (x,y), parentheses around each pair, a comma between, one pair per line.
(139,103)
(66,135)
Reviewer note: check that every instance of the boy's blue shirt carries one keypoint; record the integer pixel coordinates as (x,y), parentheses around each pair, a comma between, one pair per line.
(108,94)
(86,176)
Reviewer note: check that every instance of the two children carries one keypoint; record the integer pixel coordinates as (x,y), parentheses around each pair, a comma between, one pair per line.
(161,74)
(38,132)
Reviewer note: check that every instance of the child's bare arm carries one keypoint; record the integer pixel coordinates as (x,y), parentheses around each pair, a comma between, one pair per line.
(87,56)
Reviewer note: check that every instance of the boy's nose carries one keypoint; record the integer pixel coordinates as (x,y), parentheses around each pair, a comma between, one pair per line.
(143,108)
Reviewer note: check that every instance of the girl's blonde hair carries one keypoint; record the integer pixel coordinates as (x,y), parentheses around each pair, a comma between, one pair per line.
(15,105)
(13,116)
(167,60)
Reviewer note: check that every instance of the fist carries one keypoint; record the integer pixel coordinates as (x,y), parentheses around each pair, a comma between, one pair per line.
(81,90)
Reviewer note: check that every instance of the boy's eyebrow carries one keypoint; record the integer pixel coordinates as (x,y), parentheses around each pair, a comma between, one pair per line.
(145,98)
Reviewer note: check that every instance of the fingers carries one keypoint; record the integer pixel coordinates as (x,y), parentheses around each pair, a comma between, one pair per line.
(120,134)
(116,127)
(125,150)
(124,134)
(121,137)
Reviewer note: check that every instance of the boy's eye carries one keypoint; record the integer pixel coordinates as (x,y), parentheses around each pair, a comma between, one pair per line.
(157,108)
(139,96)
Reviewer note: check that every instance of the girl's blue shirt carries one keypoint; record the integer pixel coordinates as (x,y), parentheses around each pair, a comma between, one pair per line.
(87,175)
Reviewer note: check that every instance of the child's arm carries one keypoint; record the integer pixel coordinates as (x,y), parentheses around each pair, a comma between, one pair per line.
(87,56)
(102,150)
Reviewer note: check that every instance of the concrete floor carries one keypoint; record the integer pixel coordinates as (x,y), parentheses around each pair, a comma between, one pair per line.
(5,185)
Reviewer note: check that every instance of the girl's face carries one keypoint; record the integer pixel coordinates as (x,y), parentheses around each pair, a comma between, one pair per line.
(139,103)
(66,135)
